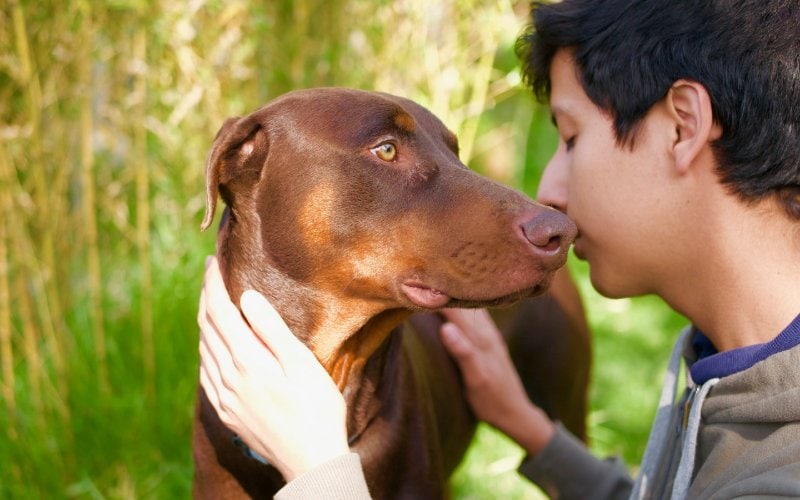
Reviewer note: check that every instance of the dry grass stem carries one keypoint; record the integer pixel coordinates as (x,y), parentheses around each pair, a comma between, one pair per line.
(143,208)
(88,197)
(6,351)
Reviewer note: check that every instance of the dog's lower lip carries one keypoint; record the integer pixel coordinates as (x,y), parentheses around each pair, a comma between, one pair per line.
(430,298)
(424,296)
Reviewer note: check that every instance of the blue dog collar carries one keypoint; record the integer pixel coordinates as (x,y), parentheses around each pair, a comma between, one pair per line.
(237,441)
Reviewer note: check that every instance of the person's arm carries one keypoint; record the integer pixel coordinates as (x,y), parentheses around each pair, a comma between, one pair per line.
(557,461)
(269,389)
(492,385)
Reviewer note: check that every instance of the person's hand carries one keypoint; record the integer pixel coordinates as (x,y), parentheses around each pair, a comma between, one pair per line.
(492,385)
(265,385)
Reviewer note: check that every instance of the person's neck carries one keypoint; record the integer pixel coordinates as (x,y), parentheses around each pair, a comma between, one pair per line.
(745,287)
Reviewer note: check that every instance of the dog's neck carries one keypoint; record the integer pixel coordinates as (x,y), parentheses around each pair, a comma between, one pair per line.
(349,340)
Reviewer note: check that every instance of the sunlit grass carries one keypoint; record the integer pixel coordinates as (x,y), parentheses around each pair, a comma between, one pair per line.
(490,469)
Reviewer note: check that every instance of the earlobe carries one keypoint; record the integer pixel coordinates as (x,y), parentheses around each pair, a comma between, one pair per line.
(690,107)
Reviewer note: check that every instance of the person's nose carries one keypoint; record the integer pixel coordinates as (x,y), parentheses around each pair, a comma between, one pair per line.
(553,186)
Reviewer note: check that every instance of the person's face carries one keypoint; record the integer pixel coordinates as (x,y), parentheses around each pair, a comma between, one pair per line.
(620,198)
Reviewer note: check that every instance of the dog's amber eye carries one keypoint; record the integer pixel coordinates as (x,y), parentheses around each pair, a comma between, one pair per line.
(386,151)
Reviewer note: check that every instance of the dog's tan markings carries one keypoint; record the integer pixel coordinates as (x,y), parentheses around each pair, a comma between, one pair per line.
(317,210)
(355,351)
(337,321)
(370,263)
(354,301)
(405,122)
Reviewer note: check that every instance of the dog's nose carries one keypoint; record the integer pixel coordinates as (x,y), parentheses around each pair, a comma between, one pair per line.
(550,233)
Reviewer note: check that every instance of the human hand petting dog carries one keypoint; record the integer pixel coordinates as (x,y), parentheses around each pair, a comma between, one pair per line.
(269,389)
(265,385)
(491,383)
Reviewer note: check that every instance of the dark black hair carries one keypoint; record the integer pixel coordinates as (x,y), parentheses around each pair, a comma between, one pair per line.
(746,53)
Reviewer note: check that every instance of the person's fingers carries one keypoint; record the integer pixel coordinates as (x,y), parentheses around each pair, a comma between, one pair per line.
(475,324)
(212,279)
(214,382)
(208,362)
(202,318)
(469,358)
(220,398)
(290,352)
(212,346)
(223,313)
(226,322)
(210,387)
(454,340)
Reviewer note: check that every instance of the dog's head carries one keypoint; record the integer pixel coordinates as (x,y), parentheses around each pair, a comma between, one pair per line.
(362,196)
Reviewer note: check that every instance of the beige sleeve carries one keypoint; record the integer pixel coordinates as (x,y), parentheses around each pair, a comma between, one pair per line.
(341,478)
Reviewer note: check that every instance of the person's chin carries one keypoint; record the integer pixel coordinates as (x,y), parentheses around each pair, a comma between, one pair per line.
(608,286)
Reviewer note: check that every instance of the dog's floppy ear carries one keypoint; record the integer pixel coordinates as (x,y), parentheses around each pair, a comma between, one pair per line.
(239,148)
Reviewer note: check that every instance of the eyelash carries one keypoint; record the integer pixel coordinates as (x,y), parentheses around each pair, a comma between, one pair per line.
(570,143)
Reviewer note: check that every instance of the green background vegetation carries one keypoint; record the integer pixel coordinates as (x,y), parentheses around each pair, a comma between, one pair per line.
(107,110)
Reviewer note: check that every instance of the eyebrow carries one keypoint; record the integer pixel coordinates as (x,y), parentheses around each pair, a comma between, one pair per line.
(382,123)
(405,122)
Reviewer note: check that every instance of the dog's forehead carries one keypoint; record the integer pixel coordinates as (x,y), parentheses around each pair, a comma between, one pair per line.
(361,115)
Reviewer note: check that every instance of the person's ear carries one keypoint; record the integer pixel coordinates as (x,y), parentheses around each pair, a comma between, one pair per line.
(690,107)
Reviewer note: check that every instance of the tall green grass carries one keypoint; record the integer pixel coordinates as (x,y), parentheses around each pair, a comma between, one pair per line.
(107,111)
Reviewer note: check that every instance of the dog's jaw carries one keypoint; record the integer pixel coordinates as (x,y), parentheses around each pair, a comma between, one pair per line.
(342,334)
(353,348)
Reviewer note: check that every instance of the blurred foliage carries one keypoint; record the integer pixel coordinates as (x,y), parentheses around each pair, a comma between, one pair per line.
(107,110)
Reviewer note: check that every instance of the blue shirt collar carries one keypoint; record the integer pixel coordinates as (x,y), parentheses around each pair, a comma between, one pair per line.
(712,364)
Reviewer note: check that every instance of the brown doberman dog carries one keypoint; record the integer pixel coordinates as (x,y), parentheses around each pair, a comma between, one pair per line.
(350,210)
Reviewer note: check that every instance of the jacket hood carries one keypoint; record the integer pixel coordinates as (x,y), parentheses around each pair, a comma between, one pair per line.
(767,392)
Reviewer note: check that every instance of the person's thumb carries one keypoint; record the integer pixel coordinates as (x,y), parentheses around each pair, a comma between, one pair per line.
(271,329)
